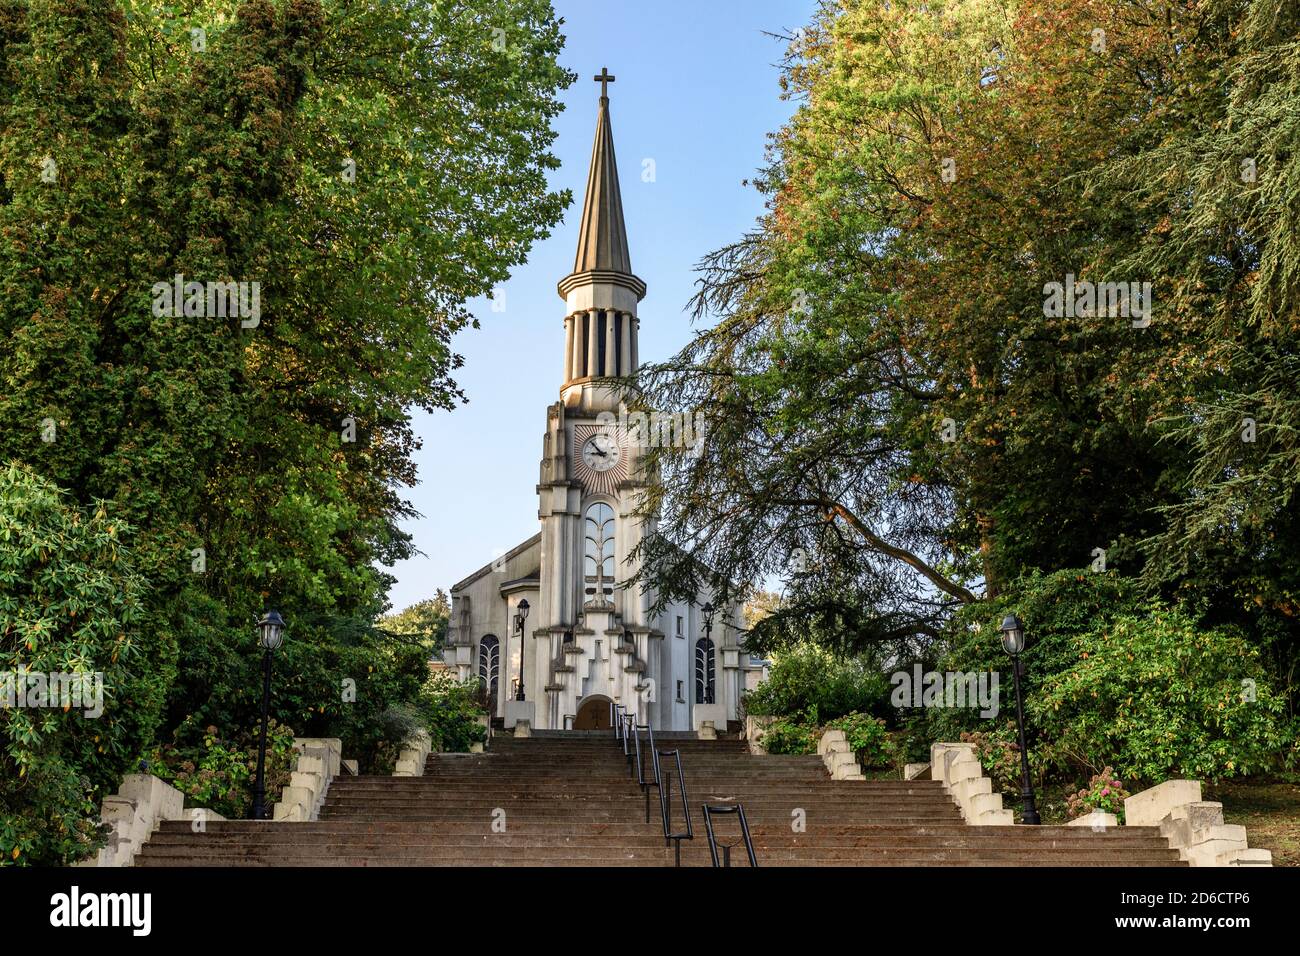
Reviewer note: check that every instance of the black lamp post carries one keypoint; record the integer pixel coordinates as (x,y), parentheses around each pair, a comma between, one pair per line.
(270,634)
(708,620)
(1013,642)
(521,615)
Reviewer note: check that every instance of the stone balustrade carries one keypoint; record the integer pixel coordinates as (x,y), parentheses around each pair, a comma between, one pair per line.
(838,756)
(963,778)
(319,762)
(132,814)
(410,760)
(1194,827)
(755,727)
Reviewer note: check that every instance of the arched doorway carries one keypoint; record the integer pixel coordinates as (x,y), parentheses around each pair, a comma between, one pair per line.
(593,714)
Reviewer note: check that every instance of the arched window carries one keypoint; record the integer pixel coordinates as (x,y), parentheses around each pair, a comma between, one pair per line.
(598,553)
(704,671)
(489,665)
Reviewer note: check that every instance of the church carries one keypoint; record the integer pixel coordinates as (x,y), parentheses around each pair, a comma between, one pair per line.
(550,627)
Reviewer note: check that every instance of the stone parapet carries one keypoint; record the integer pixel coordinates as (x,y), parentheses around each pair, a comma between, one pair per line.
(838,756)
(1194,827)
(755,727)
(319,761)
(132,814)
(411,758)
(957,767)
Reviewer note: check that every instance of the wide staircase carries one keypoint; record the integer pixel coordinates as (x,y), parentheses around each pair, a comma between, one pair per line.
(573,799)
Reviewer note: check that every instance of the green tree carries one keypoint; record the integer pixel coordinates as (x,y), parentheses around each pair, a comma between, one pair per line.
(72,602)
(371,168)
(426,620)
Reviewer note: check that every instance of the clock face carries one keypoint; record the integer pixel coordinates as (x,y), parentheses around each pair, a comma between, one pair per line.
(601,453)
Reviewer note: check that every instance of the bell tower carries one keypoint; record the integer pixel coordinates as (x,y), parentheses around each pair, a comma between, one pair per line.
(601,293)
(592,641)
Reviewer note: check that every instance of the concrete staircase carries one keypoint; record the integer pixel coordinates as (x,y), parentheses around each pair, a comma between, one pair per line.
(566,799)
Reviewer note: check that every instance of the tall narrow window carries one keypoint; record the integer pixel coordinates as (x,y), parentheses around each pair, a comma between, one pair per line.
(489,666)
(601,344)
(617,345)
(704,671)
(598,554)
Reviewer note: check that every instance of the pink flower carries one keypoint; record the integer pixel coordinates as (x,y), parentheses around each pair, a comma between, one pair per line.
(1105,791)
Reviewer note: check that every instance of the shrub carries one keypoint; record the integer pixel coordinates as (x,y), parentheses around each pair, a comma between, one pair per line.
(71,602)
(452,710)
(998,751)
(1115,679)
(1162,698)
(1056,609)
(221,774)
(1104,792)
(868,738)
(810,681)
(785,736)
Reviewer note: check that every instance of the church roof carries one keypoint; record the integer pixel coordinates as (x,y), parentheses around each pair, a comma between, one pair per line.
(602,239)
(517,550)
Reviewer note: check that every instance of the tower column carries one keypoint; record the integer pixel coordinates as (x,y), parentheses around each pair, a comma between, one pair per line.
(636,334)
(568,349)
(593,342)
(625,349)
(611,346)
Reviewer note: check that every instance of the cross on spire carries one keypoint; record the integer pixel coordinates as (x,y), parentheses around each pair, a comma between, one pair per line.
(604,80)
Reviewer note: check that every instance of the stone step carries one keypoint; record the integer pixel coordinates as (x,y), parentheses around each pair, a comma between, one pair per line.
(659,855)
(401,828)
(570,801)
(523,861)
(648,837)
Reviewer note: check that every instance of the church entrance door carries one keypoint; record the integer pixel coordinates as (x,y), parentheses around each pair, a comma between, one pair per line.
(593,714)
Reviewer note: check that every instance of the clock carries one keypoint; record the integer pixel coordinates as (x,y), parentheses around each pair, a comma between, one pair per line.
(601,458)
(600,453)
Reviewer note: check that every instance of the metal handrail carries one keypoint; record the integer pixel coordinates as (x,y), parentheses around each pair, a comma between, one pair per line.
(616,714)
(625,727)
(642,780)
(665,807)
(739,810)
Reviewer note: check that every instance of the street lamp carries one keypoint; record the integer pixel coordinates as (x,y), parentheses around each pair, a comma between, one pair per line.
(708,620)
(1013,642)
(521,615)
(270,634)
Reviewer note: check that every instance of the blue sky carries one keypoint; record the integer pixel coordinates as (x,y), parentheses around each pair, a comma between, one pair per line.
(696,92)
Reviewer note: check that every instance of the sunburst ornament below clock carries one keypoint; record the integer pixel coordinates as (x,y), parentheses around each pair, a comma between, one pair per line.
(601,461)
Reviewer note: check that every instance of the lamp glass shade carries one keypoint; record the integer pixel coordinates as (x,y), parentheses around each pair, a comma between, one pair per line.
(270,630)
(523,608)
(1013,635)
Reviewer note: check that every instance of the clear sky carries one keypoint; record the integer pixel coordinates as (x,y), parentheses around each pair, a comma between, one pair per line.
(696,92)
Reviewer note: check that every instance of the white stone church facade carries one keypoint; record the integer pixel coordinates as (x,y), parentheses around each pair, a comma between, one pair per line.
(584,640)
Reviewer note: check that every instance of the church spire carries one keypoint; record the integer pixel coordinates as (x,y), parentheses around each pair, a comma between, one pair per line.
(601,293)
(602,238)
